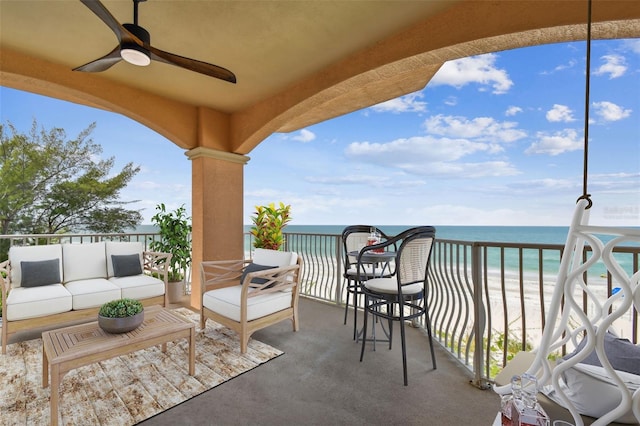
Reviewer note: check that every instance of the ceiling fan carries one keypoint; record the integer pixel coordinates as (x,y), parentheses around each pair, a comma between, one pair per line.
(134,47)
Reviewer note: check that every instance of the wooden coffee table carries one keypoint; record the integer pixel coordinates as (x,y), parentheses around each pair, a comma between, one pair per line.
(71,347)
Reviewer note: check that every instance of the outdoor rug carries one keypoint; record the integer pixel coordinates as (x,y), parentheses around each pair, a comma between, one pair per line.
(127,389)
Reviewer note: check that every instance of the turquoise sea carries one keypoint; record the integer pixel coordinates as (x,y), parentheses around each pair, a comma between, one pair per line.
(502,234)
(509,234)
(513,234)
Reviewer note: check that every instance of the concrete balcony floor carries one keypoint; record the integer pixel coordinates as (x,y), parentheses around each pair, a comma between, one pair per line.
(320,381)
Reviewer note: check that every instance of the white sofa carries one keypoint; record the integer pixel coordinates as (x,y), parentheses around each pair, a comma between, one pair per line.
(58,283)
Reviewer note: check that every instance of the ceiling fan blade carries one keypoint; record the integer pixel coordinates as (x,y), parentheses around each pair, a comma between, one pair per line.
(192,64)
(101,12)
(102,64)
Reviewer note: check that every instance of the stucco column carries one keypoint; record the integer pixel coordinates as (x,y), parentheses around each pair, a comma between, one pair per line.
(217,209)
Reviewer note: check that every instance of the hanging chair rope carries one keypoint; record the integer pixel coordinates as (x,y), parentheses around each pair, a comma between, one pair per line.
(585,195)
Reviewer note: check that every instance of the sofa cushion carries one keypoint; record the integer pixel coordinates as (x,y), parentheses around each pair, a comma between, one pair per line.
(120,248)
(18,254)
(126,265)
(24,302)
(226,302)
(139,286)
(40,272)
(92,293)
(84,261)
(254,267)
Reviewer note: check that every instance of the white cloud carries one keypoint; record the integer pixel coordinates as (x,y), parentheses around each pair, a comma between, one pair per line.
(430,156)
(561,67)
(557,143)
(632,44)
(451,101)
(609,111)
(407,103)
(482,128)
(560,113)
(614,65)
(512,110)
(472,215)
(476,69)
(304,136)
(368,180)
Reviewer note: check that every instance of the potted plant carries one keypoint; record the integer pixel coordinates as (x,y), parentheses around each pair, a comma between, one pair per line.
(175,238)
(268,222)
(121,316)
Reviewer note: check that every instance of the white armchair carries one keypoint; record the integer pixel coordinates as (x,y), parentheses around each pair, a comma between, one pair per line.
(248,295)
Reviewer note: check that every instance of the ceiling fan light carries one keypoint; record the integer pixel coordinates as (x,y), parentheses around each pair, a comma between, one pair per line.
(135,55)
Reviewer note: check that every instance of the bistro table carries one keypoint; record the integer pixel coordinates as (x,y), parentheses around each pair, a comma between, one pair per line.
(374,259)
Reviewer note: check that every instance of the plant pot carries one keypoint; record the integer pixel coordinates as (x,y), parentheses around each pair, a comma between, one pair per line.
(120,325)
(175,291)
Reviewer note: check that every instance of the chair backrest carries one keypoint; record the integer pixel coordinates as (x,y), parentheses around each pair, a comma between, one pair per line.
(354,238)
(268,257)
(414,253)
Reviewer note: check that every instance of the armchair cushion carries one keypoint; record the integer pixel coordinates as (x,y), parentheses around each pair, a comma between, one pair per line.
(274,257)
(126,265)
(254,267)
(40,272)
(226,302)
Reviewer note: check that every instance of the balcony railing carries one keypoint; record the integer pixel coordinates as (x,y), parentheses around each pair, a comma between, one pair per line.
(486,295)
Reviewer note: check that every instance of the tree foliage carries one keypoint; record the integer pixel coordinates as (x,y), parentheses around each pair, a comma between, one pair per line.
(175,238)
(49,184)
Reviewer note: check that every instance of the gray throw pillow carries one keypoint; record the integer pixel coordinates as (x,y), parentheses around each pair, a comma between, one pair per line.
(39,273)
(126,265)
(623,354)
(254,267)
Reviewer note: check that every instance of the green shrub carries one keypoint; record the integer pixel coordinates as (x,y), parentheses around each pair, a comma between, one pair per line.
(268,222)
(175,238)
(121,308)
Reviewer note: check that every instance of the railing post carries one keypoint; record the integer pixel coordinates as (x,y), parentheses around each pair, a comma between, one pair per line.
(338,270)
(478,317)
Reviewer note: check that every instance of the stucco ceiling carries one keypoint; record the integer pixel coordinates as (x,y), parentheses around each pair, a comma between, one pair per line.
(267,44)
(296,62)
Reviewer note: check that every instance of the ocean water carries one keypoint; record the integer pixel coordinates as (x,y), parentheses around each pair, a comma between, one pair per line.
(511,234)
(508,234)
(502,234)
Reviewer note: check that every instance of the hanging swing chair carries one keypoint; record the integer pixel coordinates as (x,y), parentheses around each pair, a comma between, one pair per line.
(599,381)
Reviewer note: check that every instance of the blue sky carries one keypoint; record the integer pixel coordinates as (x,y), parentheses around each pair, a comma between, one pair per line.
(492,140)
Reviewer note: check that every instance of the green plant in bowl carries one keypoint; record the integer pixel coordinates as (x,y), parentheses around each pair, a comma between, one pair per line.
(121,308)
(121,316)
